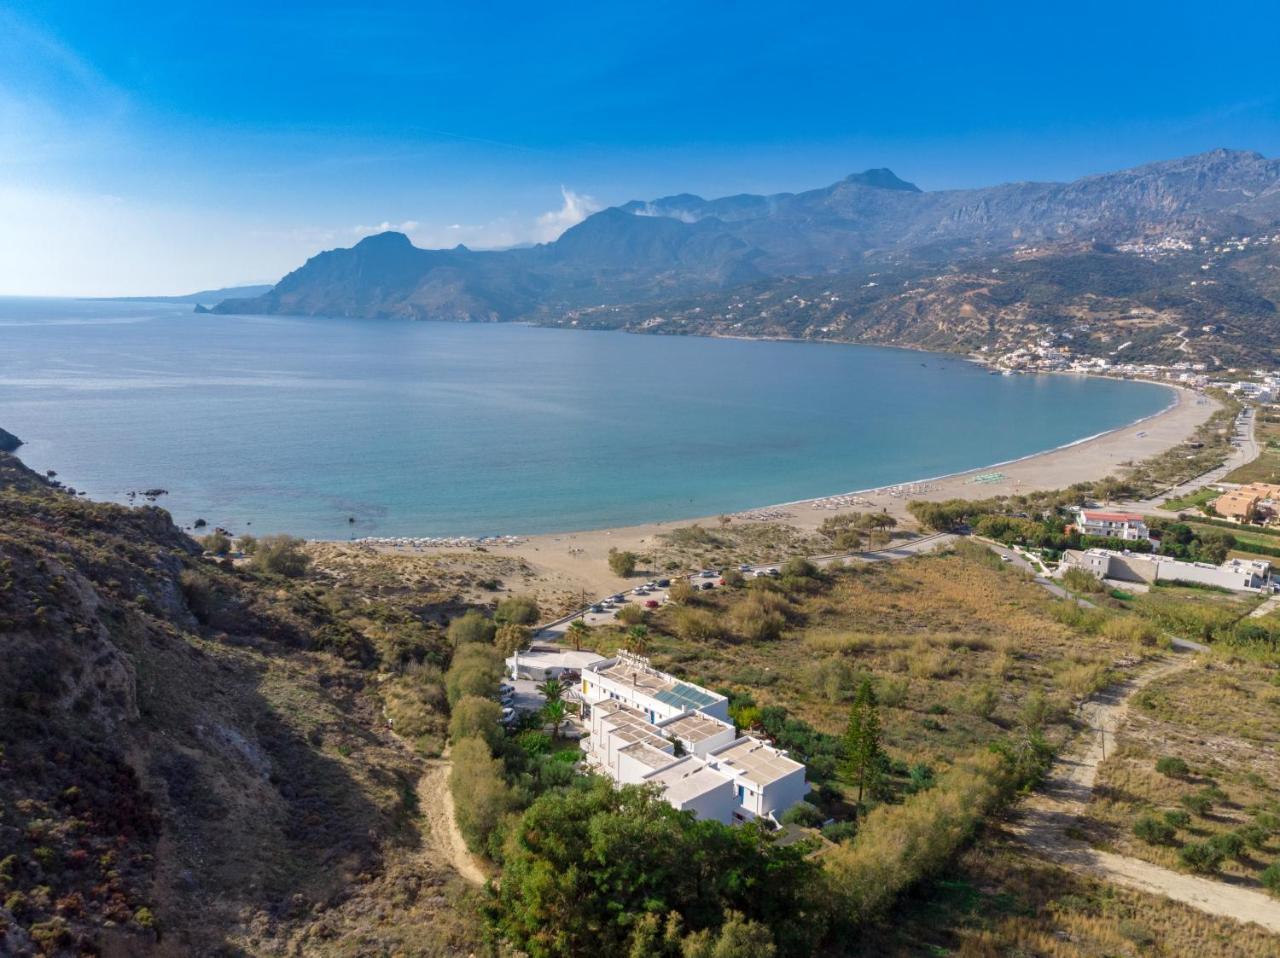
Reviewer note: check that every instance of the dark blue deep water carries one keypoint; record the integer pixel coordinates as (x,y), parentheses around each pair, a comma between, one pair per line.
(433,429)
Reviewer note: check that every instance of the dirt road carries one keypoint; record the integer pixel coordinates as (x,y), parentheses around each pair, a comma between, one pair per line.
(442,837)
(1045,820)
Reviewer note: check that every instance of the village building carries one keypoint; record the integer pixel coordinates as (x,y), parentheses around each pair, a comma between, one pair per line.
(646,727)
(1129,526)
(1238,575)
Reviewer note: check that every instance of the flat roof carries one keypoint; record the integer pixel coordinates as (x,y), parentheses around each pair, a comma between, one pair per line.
(628,725)
(1099,516)
(635,674)
(648,754)
(755,761)
(686,779)
(694,726)
(550,657)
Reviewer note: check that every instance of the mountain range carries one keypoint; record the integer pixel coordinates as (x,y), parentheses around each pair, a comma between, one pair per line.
(632,264)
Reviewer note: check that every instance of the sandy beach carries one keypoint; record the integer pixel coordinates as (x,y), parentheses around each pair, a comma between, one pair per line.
(578,560)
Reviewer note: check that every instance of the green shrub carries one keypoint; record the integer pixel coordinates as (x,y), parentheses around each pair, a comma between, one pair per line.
(840,831)
(517,610)
(476,670)
(1271,878)
(1172,767)
(473,626)
(217,543)
(476,716)
(622,563)
(481,796)
(1154,831)
(1198,803)
(1201,857)
(1177,819)
(281,555)
(1228,844)
(803,813)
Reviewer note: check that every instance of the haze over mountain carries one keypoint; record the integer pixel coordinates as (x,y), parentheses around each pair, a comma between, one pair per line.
(648,253)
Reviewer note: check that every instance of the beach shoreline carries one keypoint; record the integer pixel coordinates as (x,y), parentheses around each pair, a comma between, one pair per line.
(579,558)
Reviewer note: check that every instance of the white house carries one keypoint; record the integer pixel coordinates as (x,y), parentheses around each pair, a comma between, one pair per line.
(1240,575)
(766,782)
(647,727)
(1130,526)
(630,679)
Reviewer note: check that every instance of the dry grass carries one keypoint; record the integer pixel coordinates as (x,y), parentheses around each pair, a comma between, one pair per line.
(1223,719)
(998,903)
(931,629)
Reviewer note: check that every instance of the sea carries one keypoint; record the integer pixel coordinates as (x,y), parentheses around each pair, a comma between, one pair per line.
(342,428)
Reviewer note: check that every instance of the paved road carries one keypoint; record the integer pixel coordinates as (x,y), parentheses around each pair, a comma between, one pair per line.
(659,596)
(1019,561)
(1245,453)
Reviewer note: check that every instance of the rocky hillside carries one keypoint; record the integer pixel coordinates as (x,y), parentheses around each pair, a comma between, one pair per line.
(1092,299)
(193,759)
(646,259)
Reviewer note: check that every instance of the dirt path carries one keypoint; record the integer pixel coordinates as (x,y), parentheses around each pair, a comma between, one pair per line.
(443,838)
(1045,820)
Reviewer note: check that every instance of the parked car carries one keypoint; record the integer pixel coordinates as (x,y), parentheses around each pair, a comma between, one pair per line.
(508,716)
(505,689)
(651,604)
(663,583)
(618,598)
(641,590)
(597,607)
(707,574)
(775,573)
(744,568)
(708,585)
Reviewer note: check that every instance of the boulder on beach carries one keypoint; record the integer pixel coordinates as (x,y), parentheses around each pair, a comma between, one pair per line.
(8,441)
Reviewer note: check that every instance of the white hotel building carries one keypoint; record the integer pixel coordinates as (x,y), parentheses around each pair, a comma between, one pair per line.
(648,727)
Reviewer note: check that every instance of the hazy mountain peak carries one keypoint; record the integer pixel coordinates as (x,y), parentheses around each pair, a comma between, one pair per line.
(391,239)
(882,178)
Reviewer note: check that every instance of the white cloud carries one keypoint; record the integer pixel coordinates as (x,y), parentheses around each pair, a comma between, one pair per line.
(408,226)
(576,208)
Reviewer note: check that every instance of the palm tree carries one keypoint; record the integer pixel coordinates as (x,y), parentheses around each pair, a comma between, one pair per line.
(638,639)
(554,712)
(552,690)
(578,632)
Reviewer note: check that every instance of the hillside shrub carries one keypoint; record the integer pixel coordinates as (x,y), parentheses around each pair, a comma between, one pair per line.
(472,626)
(1154,831)
(473,715)
(1202,857)
(1172,767)
(281,555)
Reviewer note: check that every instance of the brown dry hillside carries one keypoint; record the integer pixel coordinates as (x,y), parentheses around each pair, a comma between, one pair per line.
(186,764)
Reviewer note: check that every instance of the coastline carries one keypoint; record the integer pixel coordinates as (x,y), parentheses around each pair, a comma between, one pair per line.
(580,558)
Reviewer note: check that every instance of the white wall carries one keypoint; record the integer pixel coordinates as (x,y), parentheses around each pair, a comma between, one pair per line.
(717,804)
(782,794)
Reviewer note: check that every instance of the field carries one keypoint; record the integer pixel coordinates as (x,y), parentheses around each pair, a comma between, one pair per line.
(957,646)
(998,901)
(1220,719)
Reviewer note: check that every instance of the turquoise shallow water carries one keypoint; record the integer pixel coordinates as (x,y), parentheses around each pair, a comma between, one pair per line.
(443,429)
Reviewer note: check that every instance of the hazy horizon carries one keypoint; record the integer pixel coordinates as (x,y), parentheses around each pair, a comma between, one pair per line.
(180,150)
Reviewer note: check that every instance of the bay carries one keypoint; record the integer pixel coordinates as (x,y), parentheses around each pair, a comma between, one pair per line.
(296,424)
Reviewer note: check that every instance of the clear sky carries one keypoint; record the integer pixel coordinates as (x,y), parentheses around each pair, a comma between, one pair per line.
(166,147)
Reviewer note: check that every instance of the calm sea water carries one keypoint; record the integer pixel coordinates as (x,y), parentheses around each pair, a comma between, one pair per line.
(432,429)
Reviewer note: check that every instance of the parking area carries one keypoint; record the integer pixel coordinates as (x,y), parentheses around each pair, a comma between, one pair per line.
(652,595)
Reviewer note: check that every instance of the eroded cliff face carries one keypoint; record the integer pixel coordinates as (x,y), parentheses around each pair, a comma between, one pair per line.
(183,768)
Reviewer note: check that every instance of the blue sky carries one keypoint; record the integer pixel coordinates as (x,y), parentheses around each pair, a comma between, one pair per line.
(164,147)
